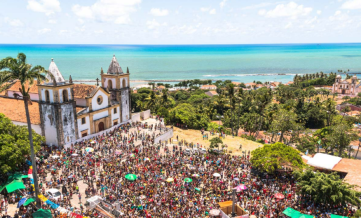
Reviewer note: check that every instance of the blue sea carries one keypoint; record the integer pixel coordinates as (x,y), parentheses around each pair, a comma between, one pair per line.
(242,63)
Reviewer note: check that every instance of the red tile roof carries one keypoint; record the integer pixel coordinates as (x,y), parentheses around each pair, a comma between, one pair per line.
(17,85)
(82,90)
(15,110)
(352,167)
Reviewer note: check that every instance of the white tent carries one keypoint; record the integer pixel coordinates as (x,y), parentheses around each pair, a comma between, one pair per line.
(324,161)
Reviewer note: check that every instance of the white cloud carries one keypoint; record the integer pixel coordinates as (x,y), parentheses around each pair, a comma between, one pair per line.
(152,24)
(116,11)
(337,13)
(223,2)
(188,30)
(44,30)
(204,9)
(11,22)
(52,21)
(260,5)
(159,12)
(64,31)
(289,25)
(352,4)
(213,11)
(45,6)
(319,12)
(98,31)
(339,16)
(291,9)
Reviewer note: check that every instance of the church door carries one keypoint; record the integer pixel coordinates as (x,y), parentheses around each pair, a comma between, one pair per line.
(343,91)
(101,126)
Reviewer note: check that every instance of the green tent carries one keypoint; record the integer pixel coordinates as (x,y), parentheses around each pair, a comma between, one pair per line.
(301,215)
(131,177)
(291,212)
(15,186)
(29,201)
(41,213)
(337,216)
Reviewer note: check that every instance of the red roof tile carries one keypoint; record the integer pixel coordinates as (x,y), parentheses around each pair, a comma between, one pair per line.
(15,110)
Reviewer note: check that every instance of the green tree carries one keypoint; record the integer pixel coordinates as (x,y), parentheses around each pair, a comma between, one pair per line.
(14,145)
(18,68)
(326,188)
(215,142)
(284,121)
(270,158)
(340,137)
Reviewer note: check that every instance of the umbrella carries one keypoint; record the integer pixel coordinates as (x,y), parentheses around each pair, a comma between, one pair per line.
(42,213)
(337,216)
(21,202)
(195,175)
(170,180)
(117,152)
(55,156)
(188,180)
(93,142)
(132,155)
(279,196)
(131,177)
(241,187)
(217,175)
(29,201)
(142,197)
(236,179)
(88,149)
(145,159)
(214,212)
(198,189)
(74,155)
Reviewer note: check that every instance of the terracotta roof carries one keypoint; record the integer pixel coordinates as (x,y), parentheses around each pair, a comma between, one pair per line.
(15,110)
(250,84)
(17,85)
(6,86)
(82,90)
(259,85)
(161,87)
(79,109)
(208,86)
(352,167)
(236,83)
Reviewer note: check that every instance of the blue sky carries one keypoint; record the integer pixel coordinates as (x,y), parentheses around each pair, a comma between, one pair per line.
(179,22)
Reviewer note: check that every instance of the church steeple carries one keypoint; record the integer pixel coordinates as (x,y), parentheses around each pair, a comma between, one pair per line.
(114,67)
(55,73)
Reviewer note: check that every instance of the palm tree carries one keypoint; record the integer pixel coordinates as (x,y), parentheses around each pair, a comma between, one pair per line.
(151,101)
(17,68)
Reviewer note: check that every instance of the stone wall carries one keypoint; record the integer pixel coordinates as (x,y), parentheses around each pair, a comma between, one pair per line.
(136,117)
(145,114)
(165,136)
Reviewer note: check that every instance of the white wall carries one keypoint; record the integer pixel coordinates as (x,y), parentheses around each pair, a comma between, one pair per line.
(125,105)
(135,117)
(68,119)
(82,127)
(145,114)
(80,102)
(33,96)
(106,82)
(100,115)
(164,137)
(61,94)
(121,82)
(95,104)
(115,116)
(35,127)
(50,95)
(49,124)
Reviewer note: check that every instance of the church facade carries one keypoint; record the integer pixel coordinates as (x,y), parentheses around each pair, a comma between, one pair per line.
(346,86)
(68,111)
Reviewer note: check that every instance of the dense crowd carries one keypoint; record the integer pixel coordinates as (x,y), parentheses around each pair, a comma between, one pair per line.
(169,183)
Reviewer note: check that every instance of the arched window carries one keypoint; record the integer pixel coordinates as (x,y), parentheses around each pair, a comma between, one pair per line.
(65,95)
(110,84)
(47,96)
(124,83)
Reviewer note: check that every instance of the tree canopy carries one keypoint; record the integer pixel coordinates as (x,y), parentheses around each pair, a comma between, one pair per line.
(326,188)
(272,157)
(14,144)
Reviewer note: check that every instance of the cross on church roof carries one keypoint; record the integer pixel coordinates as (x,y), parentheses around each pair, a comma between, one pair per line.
(97,81)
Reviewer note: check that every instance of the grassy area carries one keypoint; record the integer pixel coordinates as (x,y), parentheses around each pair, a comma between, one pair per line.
(233,143)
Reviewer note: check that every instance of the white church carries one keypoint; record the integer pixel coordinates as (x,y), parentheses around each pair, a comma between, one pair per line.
(67,111)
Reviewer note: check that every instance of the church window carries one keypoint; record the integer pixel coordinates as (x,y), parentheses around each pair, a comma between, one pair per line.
(67,138)
(115,110)
(110,84)
(65,95)
(124,83)
(100,100)
(83,120)
(47,96)
(126,102)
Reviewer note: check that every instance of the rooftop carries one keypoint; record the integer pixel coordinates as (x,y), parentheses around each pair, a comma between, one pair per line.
(33,88)
(15,110)
(53,70)
(114,67)
(352,167)
(82,90)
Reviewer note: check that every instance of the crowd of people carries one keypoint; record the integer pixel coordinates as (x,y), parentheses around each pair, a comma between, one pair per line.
(169,183)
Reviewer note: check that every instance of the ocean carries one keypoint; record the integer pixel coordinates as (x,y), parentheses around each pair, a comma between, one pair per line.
(241,63)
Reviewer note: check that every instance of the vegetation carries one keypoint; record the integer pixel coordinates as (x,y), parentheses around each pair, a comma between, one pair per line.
(215,142)
(285,114)
(270,158)
(326,188)
(14,145)
(18,69)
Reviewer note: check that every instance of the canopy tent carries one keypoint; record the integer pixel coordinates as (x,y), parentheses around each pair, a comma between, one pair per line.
(337,216)
(15,186)
(29,201)
(324,161)
(291,212)
(14,183)
(41,213)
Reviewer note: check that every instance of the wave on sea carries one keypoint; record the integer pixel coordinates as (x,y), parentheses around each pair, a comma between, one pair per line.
(260,74)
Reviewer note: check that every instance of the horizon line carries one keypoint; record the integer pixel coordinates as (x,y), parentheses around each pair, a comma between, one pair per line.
(301,43)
